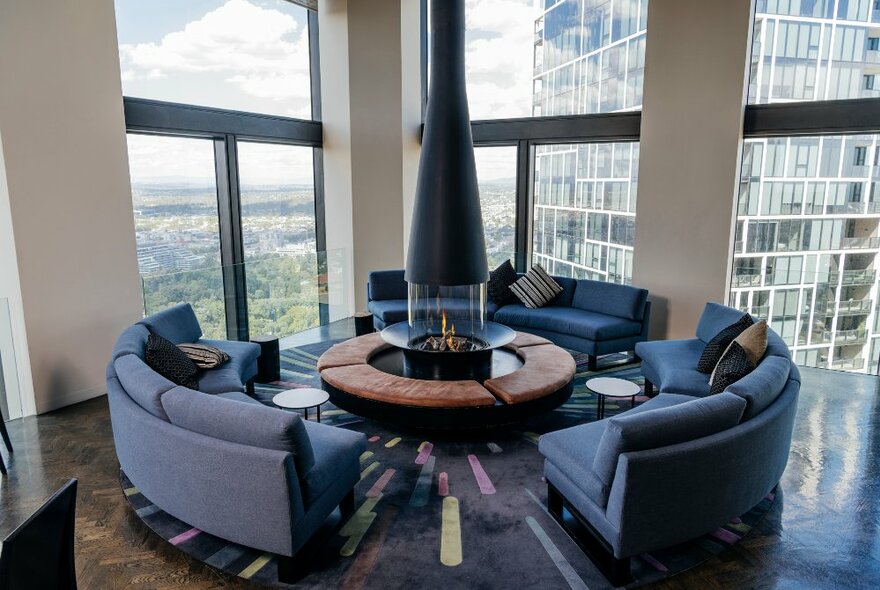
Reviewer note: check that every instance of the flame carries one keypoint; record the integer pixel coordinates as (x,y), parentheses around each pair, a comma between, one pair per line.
(447,335)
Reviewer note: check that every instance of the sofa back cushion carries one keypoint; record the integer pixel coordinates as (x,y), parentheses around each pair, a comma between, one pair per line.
(761,387)
(621,301)
(715,318)
(254,425)
(386,284)
(132,341)
(145,386)
(177,324)
(663,427)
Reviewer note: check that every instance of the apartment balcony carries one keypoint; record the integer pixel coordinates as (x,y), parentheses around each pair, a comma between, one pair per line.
(823,337)
(852,277)
(857,336)
(872,57)
(761,311)
(738,247)
(747,280)
(855,307)
(853,364)
(868,243)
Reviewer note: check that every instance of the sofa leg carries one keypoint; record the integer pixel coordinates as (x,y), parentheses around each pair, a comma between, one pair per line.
(293,569)
(346,507)
(592,362)
(554,502)
(250,387)
(649,388)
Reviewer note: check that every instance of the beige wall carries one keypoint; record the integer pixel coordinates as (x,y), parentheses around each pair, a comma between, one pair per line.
(695,71)
(368,129)
(69,197)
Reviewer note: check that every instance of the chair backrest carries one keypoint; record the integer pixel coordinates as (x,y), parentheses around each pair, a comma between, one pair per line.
(39,553)
(177,324)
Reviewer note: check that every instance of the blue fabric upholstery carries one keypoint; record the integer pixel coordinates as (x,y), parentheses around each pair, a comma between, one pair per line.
(177,324)
(132,341)
(390,311)
(761,387)
(239,397)
(242,356)
(664,400)
(239,422)
(220,380)
(143,384)
(565,298)
(567,320)
(664,427)
(386,284)
(573,451)
(665,355)
(333,448)
(715,318)
(686,381)
(603,297)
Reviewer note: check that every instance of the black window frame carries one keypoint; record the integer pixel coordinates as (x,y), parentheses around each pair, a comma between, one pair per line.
(226,128)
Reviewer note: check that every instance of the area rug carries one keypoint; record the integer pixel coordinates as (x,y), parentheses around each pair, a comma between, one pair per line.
(463,511)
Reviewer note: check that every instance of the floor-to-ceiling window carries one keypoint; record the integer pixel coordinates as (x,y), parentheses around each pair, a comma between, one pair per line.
(222,107)
(538,74)
(808,219)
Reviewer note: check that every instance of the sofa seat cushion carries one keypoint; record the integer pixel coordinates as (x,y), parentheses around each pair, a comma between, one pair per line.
(220,380)
(389,311)
(663,427)
(142,384)
(254,425)
(334,449)
(686,381)
(666,355)
(572,451)
(761,387)
(356,351)
(546,369)
(524,339)
(241,354)
(566,320)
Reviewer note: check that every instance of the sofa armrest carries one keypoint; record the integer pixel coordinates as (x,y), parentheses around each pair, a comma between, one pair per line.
(646,321)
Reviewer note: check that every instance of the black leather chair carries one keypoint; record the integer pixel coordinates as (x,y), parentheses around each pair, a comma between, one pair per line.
(6,440)
(39,553)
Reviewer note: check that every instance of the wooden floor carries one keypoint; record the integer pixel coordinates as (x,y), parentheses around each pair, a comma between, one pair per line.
(823,532)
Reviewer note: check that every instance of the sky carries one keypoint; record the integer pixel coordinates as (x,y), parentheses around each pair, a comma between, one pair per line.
(253,55)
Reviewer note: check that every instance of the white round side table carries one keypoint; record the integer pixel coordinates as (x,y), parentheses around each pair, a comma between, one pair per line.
(611,387)
(302,399)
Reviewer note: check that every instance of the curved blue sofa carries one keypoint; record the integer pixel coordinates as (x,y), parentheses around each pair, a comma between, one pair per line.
(225,463)
(681,464)
(593,317)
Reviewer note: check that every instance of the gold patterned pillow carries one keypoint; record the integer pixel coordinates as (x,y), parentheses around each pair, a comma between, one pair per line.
(204,356)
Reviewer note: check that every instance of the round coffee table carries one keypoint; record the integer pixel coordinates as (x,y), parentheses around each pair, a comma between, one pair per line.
(611,387)
(302,399)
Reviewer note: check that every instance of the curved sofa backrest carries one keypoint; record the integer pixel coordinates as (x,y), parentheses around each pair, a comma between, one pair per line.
(178,324)
(761,387)
(179,471)
(715,318)
(132,341)
(142,384)
(699,484)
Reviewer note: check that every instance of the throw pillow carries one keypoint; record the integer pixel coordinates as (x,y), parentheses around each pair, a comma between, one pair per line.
(754,341)
(204,356)
(500,281)
(716,347)
(536,289)
(170,362)
(733,366)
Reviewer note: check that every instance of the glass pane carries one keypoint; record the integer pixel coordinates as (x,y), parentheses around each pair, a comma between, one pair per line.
(10,392)
(278,228)
(807,245)
(244,55)
(585,210)
(815,50)
(496,174)
(526,58)
(174,196)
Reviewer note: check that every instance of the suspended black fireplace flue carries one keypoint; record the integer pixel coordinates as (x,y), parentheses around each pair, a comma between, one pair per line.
(447,335)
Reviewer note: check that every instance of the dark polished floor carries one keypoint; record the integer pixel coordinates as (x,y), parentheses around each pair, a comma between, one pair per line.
(823,531)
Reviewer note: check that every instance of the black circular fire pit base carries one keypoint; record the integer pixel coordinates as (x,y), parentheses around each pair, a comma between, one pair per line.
(398,361)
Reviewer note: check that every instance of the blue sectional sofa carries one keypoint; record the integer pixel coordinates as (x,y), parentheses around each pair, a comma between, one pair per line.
(225,463)
(681,464)
(593,317)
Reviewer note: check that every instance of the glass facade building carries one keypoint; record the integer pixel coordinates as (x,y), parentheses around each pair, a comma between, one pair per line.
(589,59)
(807,241)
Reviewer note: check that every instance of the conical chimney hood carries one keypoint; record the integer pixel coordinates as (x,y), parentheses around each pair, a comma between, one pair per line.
(447,245)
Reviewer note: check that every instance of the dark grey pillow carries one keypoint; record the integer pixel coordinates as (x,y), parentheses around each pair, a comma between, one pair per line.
(169,361)
(719,343)
(500,281)
(204,356)
(733,366)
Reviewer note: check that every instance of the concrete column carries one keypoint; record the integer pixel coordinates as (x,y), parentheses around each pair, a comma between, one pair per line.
(364,53)
(696,66)
(69,197)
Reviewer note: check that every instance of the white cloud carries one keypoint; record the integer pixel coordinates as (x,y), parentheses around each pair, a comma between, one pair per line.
(264,53)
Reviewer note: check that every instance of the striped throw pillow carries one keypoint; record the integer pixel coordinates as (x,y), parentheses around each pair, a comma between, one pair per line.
(203,355)
(536,288)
